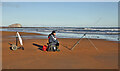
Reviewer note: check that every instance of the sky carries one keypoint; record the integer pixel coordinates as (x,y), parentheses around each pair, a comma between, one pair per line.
(60,0)
(60,14)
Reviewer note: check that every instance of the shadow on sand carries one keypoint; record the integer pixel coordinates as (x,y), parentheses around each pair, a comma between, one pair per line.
(39,46)
(66,47)
(10,46)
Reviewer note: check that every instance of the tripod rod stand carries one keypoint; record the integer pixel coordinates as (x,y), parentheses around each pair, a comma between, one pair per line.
(79,41)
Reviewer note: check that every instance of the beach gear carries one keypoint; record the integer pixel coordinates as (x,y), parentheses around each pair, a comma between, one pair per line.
(79,41)
(15,47)
(51,47)
(20,39)
(44,48)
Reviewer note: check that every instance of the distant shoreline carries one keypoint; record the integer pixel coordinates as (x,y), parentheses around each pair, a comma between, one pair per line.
(65,27)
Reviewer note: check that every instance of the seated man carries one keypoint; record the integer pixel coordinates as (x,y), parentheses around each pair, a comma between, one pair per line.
(53,42)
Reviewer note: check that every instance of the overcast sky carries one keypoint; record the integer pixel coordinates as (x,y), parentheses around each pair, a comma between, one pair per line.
(60,14)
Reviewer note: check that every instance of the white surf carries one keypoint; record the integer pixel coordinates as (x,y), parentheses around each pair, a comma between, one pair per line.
(20,39)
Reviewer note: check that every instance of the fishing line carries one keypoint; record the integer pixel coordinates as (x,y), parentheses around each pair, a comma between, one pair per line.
(98,21)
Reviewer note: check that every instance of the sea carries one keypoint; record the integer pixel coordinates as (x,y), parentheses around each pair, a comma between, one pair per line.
(106,33)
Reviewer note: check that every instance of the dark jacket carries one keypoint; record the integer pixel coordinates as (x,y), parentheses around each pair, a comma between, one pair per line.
(52,39)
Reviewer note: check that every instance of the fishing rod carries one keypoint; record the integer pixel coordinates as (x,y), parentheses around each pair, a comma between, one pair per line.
(77,42)
(92,44)
(87,38)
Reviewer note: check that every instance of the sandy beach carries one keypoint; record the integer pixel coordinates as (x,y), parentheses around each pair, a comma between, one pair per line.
(83,56)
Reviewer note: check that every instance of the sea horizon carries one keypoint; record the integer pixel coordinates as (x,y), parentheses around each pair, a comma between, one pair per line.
(107,33)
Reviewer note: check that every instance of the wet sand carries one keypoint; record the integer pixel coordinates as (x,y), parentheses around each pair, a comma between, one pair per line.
(83,56)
